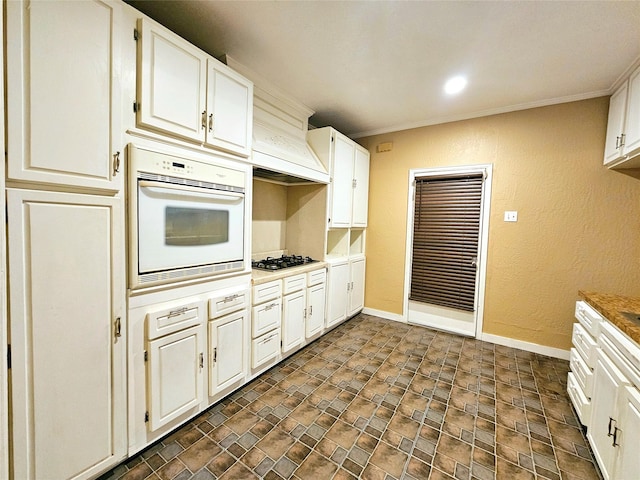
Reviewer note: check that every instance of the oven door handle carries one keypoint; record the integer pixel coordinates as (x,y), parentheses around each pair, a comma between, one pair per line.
(172,187)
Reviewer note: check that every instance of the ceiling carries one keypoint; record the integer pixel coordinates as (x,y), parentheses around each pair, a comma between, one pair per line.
(368,67)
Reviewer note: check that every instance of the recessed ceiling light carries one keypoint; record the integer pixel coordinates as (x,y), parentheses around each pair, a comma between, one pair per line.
(455,85)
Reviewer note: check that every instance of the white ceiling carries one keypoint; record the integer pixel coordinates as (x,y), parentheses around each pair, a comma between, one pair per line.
(370,67)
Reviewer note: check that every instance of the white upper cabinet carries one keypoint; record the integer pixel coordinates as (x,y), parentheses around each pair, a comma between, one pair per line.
(349,169)
(171,82)
(360,206)
(185,92)
(63,93)
(622,142)
(229,109)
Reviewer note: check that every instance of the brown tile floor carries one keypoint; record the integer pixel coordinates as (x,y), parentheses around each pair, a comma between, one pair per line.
(376,399)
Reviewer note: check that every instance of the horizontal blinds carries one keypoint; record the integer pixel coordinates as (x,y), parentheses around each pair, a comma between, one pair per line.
(445,240)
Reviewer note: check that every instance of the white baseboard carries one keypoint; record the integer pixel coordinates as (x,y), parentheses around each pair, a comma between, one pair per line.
(528,346)
(386,315)
(487,337)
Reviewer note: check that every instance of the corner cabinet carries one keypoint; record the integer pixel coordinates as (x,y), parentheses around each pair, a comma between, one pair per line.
(63,93)
(68,381)
(348,165)
(622,143)
(184,92)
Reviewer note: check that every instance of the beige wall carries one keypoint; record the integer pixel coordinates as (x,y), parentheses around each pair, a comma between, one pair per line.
(578,222)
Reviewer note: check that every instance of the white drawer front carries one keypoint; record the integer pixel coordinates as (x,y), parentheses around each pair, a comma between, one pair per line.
(316,277)
(580,402)
(588,317)
(295,283)
(265,348)
(582,373)
(267,291)
(266,317)
(228,301)
(173,319)
(585,344)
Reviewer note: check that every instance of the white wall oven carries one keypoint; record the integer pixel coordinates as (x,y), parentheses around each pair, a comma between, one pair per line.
(186,218)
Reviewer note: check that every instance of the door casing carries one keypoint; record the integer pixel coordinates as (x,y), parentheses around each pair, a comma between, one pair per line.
(487,170)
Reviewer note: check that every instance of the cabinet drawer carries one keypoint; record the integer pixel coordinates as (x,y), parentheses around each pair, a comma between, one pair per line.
(266,317)
(585,344)
(267,291)
(588,317)
(169,320)
(582,373)
(228,301)
(316,277)
(580,402)
(265,348)
(295,283)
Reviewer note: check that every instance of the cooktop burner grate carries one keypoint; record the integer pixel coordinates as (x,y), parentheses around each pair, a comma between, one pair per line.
(278,263)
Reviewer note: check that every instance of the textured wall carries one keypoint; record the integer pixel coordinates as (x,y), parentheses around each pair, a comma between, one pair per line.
(578,222)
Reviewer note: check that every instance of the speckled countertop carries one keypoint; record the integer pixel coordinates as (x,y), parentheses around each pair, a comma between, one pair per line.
(264,276)
(610,306)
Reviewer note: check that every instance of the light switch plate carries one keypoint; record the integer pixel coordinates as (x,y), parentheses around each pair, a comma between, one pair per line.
(510,216)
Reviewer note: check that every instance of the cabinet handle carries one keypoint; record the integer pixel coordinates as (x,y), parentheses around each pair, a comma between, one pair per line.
(622,139)
(204,119)
(201,360)
(269,307)
(611,422)
(230,298)
(175,313)
(116,163)
(310,310)
(215,355)
(615,436)
(118,327)
(211,122)
(304,314)
(354,183)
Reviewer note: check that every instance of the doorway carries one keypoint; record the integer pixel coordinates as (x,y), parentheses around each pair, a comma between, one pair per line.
(447,233)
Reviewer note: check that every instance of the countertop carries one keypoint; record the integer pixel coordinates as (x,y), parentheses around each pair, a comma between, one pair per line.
(610,306)
(264,276)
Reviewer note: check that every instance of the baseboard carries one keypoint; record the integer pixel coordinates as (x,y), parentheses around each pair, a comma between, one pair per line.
(487,337)
(528,346)
(386,315)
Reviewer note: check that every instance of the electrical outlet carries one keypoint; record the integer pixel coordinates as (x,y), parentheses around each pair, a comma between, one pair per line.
(510,216)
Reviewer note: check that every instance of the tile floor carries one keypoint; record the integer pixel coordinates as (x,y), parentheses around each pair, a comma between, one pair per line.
(376,399)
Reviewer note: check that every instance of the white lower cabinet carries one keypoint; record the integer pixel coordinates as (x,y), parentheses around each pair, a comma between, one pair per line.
(228,343)
(294,308)
(613,409)
(316,301)
(603,424)
(266,321)
(66,317)
(346,289)
(175,365)
(293,313)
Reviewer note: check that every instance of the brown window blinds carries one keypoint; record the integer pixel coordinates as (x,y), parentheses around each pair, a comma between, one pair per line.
(446,228)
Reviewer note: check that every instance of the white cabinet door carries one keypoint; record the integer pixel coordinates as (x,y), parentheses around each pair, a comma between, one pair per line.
(229,109)
(628,435)
(171,82)
(356,286)
(360,187)
(604,415)
(337,298)
(175,365)
(615,125)
(632,120)
(293,314)
(66,263)
(341,181)
(228,343)
(63,98)
(316,300)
